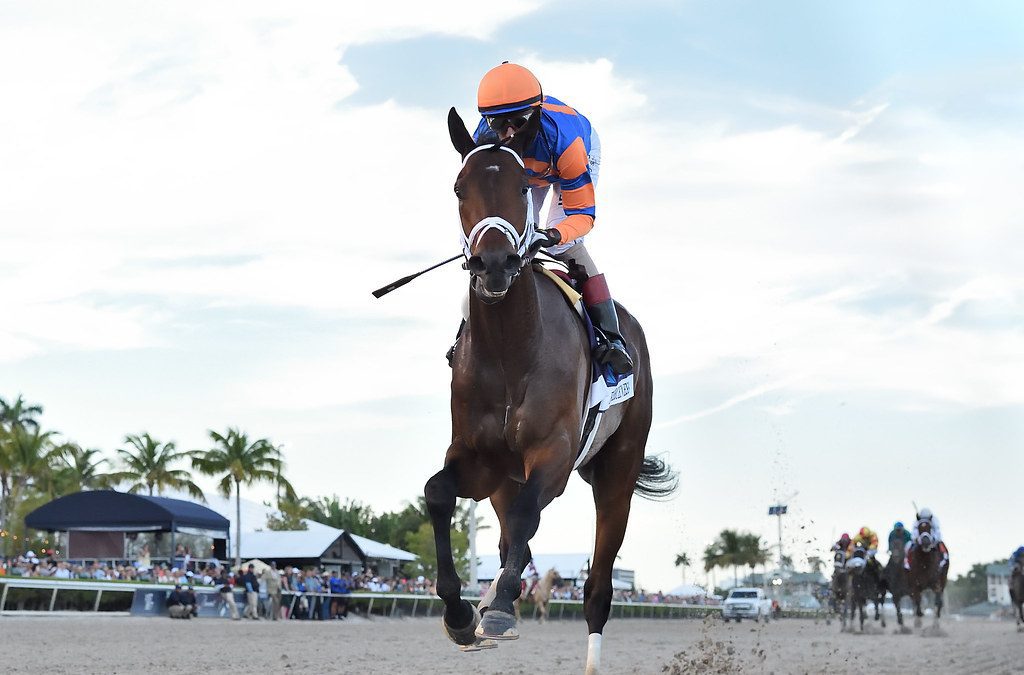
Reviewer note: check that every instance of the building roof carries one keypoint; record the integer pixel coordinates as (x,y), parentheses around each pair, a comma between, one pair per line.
(312,543)
(997,570)
(568,565)
(287,545)
(111,511)
(375,549)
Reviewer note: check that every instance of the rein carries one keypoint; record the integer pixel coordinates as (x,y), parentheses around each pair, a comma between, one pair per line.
(521,242)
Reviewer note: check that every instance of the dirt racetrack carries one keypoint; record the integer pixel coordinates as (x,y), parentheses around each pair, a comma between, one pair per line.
(97,644)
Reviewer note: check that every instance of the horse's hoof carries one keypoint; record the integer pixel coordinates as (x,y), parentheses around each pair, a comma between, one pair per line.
(498,625)
(466,635)
(479,645)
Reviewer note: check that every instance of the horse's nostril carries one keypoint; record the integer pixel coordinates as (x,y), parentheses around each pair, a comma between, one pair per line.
(476,265)
(513,262)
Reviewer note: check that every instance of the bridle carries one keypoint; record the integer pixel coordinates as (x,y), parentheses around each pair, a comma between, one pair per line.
(520,242)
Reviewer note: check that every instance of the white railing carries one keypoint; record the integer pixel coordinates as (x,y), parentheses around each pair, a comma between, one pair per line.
(397,601)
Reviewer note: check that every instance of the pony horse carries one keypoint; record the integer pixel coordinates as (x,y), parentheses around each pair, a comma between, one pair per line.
(520,375)
(541,593)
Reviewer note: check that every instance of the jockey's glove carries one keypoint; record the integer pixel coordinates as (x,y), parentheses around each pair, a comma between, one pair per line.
(550,237)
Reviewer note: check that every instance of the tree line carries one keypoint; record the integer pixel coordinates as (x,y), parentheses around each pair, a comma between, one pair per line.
(37,466)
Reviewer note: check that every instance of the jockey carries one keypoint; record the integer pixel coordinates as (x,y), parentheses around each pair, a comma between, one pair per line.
(899,533)
(843,545)
(564,158)
(867,538)
(1017,559)
(926,516)
(532,577)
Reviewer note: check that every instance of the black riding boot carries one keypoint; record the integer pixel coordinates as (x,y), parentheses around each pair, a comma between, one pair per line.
(451,352)
(612,352)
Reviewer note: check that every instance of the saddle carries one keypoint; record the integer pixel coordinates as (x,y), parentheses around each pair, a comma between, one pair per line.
(606,388)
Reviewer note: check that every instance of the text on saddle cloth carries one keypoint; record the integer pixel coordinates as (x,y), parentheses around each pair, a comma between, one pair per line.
(606,388)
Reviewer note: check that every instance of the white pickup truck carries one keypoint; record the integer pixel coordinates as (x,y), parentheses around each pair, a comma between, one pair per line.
(746,603)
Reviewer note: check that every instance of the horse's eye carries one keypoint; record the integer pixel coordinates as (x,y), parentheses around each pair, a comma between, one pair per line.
(526,189)
(458,192)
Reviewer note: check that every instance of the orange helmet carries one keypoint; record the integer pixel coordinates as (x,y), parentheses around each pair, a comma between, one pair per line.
(507,88)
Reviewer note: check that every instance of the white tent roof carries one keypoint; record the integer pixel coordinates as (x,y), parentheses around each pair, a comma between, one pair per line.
(311,543)
(569,565)
(375,549)
(271,545)
(688,590)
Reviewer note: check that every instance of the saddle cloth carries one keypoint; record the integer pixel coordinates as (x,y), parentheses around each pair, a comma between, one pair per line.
(606,388)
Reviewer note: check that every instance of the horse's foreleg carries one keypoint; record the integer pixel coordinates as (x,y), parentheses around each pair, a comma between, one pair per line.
(460,617)
(521,522)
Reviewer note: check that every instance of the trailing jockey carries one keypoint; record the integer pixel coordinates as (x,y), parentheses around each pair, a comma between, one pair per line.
(898,533)
(867,539)
(1017,560)
(564,158)
(926,516)
(842,546)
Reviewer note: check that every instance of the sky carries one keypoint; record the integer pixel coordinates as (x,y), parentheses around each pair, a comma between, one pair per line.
(814,211)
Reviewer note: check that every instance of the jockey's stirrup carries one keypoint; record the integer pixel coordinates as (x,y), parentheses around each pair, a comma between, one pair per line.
(450,354)
(612,350)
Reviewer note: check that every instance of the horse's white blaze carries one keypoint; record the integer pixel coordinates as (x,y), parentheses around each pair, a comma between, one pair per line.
(492,167)
(593,653)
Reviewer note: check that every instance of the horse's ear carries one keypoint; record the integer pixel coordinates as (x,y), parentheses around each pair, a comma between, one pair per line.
(524,137)
(461,138)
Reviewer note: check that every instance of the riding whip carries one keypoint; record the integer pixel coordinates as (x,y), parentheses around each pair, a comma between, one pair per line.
(384,290)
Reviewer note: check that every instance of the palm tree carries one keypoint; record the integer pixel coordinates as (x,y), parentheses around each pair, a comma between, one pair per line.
(239,461)
(683,561)
(27,462)
(13,416)
(753,552)
(727,550)
(81,469)
(19,414)
(147,465)
(815,563)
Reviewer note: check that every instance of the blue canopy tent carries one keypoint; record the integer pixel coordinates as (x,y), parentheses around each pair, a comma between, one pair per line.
(108,511)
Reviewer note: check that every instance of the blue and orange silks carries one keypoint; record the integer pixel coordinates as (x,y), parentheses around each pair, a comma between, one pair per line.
(559,154)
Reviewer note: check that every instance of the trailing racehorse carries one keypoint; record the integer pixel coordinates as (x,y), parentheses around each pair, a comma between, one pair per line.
(896,578)
(856,592)
(866,586)
(927,572)
(1017,594)
(840,587)
(519,381)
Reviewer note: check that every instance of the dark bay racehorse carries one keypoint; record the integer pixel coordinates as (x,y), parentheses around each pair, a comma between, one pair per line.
(1017,594)
(896,578)
(519,381)
(840,587)
(860,587)
(926,572)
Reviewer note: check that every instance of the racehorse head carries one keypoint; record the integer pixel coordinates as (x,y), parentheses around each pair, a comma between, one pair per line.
(925,538)
(495,207)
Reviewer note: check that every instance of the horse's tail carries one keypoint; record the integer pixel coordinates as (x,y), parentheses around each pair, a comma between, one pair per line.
(657,480)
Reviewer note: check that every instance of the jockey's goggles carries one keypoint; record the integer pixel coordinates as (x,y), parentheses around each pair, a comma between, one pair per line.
(516,119)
